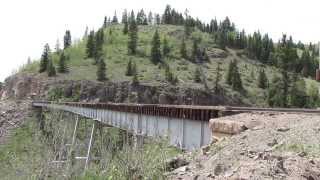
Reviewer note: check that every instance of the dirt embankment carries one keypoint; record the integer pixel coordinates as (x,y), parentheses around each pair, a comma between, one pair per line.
(277,146)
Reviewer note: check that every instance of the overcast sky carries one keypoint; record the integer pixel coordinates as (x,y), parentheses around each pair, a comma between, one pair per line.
(26,25)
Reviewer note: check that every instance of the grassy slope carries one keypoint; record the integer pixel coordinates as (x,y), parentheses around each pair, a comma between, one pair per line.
(117,59)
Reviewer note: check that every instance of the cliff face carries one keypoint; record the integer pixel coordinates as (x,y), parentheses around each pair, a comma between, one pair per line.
(27,86)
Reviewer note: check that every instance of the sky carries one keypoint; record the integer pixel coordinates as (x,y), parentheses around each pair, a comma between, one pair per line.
(25,26)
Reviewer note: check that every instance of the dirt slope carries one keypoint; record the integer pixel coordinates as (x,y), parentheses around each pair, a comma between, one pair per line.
(281,146)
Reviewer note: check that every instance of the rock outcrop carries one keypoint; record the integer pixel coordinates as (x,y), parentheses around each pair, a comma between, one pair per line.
(24,86)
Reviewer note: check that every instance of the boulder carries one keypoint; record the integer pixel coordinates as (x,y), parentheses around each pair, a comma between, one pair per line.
(226,126)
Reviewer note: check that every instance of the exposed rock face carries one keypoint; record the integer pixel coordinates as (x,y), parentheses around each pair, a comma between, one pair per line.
(23,86)
(20,86)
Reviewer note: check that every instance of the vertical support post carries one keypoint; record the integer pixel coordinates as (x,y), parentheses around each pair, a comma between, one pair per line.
(89,148)
(202,134)
(75,130)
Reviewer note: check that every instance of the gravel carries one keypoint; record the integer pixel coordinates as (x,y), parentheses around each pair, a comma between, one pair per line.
(285,146)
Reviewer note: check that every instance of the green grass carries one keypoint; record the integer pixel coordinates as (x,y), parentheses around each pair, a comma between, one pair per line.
(24,155)
(116,57)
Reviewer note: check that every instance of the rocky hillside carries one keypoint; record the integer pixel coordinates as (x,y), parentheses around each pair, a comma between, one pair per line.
(80,82)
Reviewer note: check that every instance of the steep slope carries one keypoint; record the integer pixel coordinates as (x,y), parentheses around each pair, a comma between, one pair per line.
(117,58)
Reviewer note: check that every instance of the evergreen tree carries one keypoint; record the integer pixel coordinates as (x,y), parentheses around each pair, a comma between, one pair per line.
(125,28)
(195,51)
(155,48)
(98,47)
(150,18)
(229,75)
(124,17)
(197,75)
(166,48)
(183,49)
(105,22)
(298,96)
(158,19)
(57,47)
(67,39)
(286,84)
(101,71)
(90,47)
(142,18)
(51,69)
(313,93)
(233,76)
(236,80)
(131,68)
(276,93)
(168,74)
(167,18)
(62,66)
(262,80)
(135,80)
(115,18)
(125,22)
(44,59)
(306,67)
(133,35)
(217,87)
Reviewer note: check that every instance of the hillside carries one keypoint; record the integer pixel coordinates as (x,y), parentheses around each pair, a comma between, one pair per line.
(222,66)
(116,58)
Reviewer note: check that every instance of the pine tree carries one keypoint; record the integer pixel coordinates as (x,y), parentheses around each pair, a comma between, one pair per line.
(233,76)
(217,86)
(183,49)
(150,18)
(62,66)
(124,18)
(135,80)
(262,80)
(298,96)
(115,18)
(236,80)
(229,76)
(313,93)
(195,51)
(306,68)
(125,22)
(98,47)
(67,39)
(275,92)
(155,48)
(158,19)
(90,47)
(133,35)
(142,18)
(51,69)
(197,75)
(131,69)
(105,22)
(57,47)
(166,48)
(44,59)
(125,28)
(101,71)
